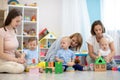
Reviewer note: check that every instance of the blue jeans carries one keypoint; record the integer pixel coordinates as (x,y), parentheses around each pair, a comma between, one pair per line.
(78,67)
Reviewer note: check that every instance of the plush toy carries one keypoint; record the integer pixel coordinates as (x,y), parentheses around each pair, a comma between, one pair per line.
(77,60)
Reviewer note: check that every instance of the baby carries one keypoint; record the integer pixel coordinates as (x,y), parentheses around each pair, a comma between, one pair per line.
(104,51)
(31,54)
(104,47)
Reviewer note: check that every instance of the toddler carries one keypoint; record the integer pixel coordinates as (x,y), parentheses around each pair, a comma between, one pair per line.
(67,56)
(31,54)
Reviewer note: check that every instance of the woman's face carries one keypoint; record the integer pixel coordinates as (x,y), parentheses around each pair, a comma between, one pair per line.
(74,42)
(16,21)
(98,30)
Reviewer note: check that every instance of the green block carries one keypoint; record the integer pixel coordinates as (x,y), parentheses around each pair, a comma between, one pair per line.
(48,70)
(58,67)
(46,64)
(100,60)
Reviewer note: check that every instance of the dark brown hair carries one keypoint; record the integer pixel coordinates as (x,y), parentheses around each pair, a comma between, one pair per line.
(97,22)
(11,15)
(32,39)
(79,39)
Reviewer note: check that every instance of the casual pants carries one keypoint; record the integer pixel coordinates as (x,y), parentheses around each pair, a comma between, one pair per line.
(76,67)
(11,67)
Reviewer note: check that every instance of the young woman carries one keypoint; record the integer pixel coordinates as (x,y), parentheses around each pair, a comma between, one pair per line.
(11,60)
(98,32)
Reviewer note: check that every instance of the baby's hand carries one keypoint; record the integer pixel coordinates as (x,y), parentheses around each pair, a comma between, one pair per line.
(99,54)
(60,60)
(107,59)
(70,63)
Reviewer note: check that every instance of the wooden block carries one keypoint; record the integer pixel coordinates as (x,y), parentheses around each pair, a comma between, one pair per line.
(100,67)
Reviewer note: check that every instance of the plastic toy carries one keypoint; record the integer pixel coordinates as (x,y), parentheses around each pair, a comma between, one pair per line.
(43,33)
(58,67)
(13,2)
(49,67)
(91,66)
(119,69)
(32,68)
(32,4)
(33,18)
(114,69)
(70,69)
(41,65)
(100,64)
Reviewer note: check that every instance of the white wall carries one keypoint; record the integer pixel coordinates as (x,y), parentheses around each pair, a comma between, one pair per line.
(50,15)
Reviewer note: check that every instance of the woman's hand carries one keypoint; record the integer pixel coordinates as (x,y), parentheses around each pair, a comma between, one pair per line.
(20,60)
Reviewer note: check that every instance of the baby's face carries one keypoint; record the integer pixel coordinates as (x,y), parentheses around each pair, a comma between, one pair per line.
(32,45)
(104,45)
(64,44)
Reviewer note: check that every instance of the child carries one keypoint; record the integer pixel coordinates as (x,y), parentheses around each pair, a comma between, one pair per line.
(67,56)
(104,51)
(32,53)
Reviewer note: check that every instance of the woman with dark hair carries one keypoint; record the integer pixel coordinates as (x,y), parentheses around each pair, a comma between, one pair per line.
(11,60)
(98,32)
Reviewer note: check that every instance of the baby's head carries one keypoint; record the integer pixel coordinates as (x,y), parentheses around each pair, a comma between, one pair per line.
(32,43)
(104,44)
(65,42)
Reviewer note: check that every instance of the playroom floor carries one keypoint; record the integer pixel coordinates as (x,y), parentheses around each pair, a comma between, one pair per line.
(78,75)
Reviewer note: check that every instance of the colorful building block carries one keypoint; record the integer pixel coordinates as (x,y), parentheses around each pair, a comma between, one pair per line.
(58,67)
(100,64)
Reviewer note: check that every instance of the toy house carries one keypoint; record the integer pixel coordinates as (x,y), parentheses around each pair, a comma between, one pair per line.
(45,44)
(100,64)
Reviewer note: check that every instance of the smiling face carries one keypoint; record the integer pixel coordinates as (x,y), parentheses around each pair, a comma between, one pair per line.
(104,44)
(16,21)
(74,42)
(98,30)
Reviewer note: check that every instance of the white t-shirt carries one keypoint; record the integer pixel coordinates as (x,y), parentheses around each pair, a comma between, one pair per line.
(104,53)
(92,41)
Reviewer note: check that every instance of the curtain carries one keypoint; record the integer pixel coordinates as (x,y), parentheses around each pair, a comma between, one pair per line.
(75,19)
(110,16)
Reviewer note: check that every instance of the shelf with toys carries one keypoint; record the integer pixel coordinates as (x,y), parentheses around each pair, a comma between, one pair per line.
(29,25)
(45,41)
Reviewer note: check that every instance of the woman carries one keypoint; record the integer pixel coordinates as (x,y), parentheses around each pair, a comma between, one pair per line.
(11,60)
(97,31)
(76,43)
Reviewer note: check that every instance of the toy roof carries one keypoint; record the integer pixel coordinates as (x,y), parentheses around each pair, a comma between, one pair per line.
(100,60)
(50,35)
